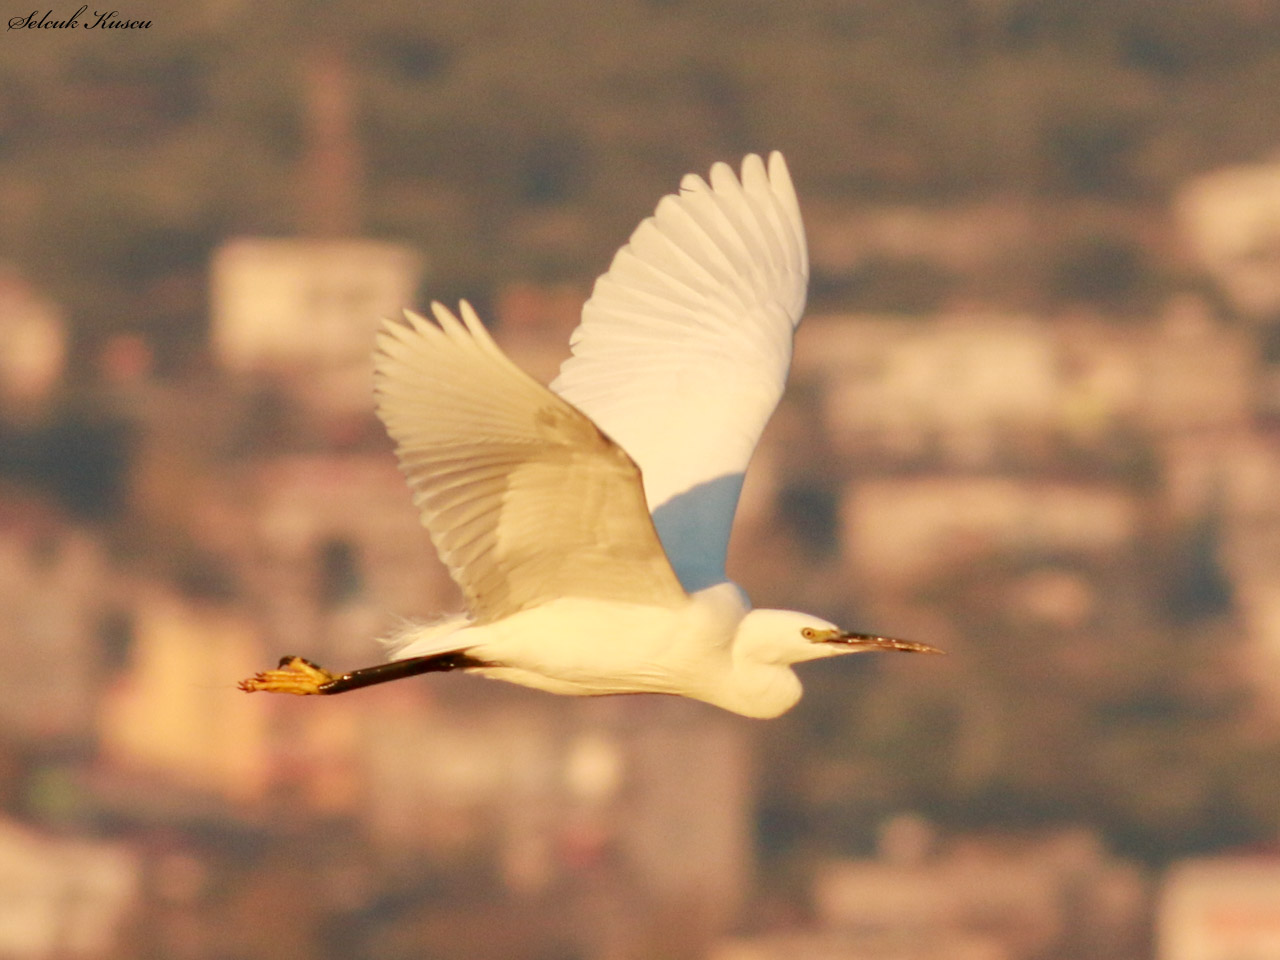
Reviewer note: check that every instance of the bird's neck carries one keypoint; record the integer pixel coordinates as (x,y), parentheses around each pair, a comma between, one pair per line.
(753,689)
(744,684)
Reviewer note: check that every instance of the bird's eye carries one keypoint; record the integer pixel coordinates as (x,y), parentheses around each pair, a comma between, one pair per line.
(809,633)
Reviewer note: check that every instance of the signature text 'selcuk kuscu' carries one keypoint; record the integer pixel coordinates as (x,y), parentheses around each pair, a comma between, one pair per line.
(105,19)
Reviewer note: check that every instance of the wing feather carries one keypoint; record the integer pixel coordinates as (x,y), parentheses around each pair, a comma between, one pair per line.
(684,347)
(524,498)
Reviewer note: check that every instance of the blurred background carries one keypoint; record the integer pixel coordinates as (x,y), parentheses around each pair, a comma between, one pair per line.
(1034,418)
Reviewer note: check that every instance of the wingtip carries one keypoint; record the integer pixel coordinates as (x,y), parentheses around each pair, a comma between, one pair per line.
(780,173)
(752,166)
(472,319)
(392,330)
(723,177)
(416,321)
(693,183)
(446,319)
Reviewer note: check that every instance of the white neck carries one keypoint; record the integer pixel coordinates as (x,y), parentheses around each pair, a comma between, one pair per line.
(762,690)
(748,669)
(751,682)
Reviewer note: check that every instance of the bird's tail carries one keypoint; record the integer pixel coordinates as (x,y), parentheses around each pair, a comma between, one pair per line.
(418,638)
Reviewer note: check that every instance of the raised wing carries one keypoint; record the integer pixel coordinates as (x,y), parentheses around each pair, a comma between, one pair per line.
(524,499)
(684,347)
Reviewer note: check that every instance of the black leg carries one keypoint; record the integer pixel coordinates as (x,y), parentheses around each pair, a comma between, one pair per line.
(302,677)
(398,669)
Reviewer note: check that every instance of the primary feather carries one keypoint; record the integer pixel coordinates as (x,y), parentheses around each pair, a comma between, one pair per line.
(684,348)
(524,498)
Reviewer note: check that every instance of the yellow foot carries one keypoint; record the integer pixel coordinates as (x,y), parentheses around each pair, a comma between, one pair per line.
(294,675)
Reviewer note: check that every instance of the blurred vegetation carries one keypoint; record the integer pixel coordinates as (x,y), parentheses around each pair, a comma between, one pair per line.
(123,164)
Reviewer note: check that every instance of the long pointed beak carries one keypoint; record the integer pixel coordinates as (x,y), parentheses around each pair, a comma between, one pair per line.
(869,641)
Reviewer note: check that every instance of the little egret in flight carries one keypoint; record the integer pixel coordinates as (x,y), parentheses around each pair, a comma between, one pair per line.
(587,523)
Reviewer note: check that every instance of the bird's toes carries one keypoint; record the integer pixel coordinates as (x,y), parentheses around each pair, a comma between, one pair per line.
(294,675)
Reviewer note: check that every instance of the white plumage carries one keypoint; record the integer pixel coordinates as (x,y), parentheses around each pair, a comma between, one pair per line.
(525,499)
(685,344)
(587,524)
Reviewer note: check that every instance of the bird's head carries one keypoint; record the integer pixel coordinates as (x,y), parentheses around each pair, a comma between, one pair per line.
(784,637)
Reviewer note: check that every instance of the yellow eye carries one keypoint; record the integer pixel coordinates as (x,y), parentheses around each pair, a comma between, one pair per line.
(809,633)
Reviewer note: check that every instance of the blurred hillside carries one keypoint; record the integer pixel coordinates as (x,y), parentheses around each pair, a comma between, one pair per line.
(524,140)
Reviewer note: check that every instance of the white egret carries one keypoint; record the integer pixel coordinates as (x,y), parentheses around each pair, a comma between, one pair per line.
(587,524)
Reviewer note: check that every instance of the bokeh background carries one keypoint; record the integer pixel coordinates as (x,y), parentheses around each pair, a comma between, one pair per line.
(1033,419)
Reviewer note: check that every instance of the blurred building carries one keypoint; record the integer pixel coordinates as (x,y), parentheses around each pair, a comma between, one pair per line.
(305,311)
(973,391)
(63,898)
(994,897)
(57,600)
(33,344)
(168,713)
(1231,219)
(903,388)
(1226,908)
(908,529)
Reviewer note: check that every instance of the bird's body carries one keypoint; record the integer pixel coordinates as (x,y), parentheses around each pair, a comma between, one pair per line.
(587,524)
(587,647)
